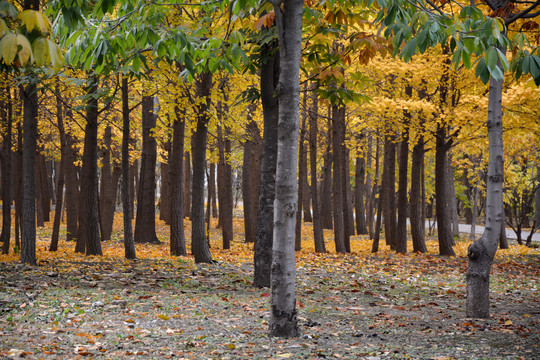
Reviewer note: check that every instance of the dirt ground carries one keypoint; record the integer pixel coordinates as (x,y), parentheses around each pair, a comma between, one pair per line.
(358,306)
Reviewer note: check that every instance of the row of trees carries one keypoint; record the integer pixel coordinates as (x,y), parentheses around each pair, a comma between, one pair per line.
(188,88)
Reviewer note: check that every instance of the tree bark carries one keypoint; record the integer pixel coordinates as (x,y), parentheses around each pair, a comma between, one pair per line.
(127,205)
(212,190)
(262,258)
(283,320)
(339,231)
(7,119)
(145,220)
(28,225)
(178,241)
(225,195)
(482,251)
(199,243)
(61,167)
(443,209)
(389,191)
(359,191)
(402,203)
(88,236)
(72,190)
(251,175)
(326,186)
(109,186)
(302,173)
(187,184)
(318,237)
(418,226)
(165,193)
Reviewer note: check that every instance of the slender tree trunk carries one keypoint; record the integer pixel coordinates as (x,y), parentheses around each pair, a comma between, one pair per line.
(302,170)
(452,199)
(199,244)
(88,236)
(61,167)
(40,217)
(178,241)
(187,184)
(339,231)
(326,187)
(402,203)
(359,191)
(389,191)
(474,214)
(127,205)
(212,190)
(317,222)
(251,175)
(418,225)
(109,186)
(19,187)
(145,220)
(165,193)
(72,191)
(283,319)
(225,186)
(378,222)
(7,119)
(348,214)
(444,216)
(262,258)
(482,251)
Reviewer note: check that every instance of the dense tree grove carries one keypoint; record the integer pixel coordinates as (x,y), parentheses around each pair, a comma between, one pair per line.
(366,117)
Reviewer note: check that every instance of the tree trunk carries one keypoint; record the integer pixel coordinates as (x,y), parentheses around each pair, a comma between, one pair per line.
(199,243)
(225,187)
(165,193)
(326,187)
(283,320)
(38,170)
(318,237)
(452,199)
(178,241)
(127,205)
(186,190)
(339,231)
(474,213)
(443,209)
(72,190)
(402,203)
(7,119)
(348,214)
(145,220)
(418,225)
(389,191)
(302,173)
(359,191)
(28,225)
(61,167)
(482,251)
(212,190)
(262,258)
(251,175)
(109,186)
(88,239)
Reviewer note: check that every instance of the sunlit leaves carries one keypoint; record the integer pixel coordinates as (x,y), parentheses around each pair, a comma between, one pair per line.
(15,49)
(47,52)
(32,19)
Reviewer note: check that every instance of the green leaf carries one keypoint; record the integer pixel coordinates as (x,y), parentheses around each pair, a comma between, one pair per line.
(482,71)
(466,58)
(491,58)
(503,59)
(534,67)
(408,50)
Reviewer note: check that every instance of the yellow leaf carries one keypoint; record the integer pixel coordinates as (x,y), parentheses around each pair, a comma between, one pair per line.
(3,28)
(41,51)
(163,317)
(32,19)
(231,346)
(8,48)
(286,355)
(25,53)
(508,322)
(55,56)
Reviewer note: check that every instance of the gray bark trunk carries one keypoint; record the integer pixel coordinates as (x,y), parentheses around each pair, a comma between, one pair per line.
(482,251)
(283,320)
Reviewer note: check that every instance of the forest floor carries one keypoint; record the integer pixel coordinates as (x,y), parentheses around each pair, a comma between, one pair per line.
(355,306)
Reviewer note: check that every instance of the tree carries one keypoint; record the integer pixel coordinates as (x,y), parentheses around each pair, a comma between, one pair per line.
(283,320)
(469,34)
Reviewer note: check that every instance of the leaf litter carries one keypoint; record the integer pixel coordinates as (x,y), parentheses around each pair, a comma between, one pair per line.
(359,305)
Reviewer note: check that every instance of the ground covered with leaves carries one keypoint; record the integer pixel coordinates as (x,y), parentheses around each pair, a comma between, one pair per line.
(356,306)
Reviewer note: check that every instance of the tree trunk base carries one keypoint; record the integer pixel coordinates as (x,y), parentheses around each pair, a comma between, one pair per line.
(283,324)
(478,281)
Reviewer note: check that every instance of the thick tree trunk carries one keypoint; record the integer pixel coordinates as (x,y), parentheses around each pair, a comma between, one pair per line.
(318,237)
(482,251)
(28,225)
(178,241)
(283,320)
(199,243)
(389,191)
(127,205)
(262,258)
(88,236)
(418,225)
(145,220)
